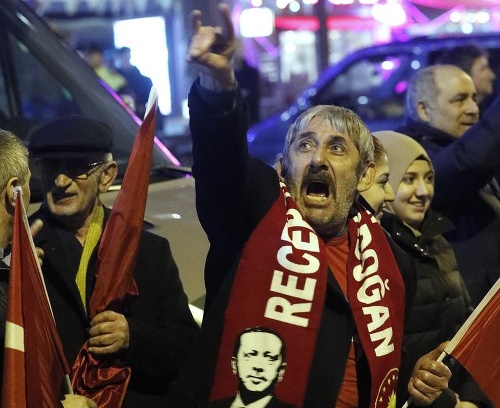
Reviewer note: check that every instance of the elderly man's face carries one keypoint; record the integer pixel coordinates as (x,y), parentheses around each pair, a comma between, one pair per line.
(72,187)
(321,176)
(455,110)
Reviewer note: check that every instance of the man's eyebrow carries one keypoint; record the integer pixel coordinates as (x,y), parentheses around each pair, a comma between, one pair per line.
(271,354)
(335,135)
(304,134)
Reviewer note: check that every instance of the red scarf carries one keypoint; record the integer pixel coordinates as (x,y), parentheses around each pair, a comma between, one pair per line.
(281,284)
(375,291)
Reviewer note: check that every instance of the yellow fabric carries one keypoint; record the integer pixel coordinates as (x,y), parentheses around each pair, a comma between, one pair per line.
(91,240)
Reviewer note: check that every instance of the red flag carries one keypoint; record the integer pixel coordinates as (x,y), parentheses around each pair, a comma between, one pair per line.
(103,379)
(477,344)
(34,362)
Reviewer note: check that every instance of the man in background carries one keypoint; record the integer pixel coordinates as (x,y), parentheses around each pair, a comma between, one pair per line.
(443,116)
(473,59)
(138,85)
(94,56)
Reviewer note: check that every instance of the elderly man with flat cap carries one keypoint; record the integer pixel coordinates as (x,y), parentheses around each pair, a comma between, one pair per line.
(76,165)
(14,172)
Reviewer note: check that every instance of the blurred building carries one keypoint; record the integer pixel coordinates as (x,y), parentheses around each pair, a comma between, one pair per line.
(288,41)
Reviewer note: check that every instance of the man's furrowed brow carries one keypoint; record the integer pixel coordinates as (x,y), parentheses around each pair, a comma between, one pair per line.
(305,134)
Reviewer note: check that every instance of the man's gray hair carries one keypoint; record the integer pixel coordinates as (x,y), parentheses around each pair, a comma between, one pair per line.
(341,119)
(13,158)
(422,88)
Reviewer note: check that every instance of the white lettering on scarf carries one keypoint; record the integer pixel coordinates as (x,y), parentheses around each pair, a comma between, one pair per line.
(299,239)
(372,291)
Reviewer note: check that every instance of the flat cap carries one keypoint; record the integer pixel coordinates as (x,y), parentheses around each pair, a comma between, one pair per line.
(72,136)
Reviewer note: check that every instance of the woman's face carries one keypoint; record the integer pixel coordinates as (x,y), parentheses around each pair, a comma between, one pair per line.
(415,193)
(380,191)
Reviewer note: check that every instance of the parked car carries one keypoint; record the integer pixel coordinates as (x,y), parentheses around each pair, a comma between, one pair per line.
(372,82)
(41,78)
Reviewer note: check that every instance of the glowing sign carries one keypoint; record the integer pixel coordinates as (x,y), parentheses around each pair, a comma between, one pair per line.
(256,22)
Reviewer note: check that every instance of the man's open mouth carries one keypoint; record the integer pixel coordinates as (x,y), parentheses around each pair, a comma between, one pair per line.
(317,189)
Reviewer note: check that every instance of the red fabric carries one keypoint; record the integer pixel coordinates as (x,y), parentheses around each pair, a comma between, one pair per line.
(337,252)
(375,291)
(478,349)
(284,268)
(258,279)
(101,379)
(34,368)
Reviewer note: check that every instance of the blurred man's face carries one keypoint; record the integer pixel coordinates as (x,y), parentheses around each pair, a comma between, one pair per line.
(455,110)
(259,363)
(483,77)
(322,176)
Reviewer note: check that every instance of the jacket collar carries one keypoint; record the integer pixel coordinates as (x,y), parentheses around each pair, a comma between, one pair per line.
(422,131)
(434,224)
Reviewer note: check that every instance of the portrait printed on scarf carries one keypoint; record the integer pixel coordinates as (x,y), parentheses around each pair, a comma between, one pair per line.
(258,361)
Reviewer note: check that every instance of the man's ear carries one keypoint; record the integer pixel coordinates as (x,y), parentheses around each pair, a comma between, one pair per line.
(10,198)
(280,168)
(234,365)
(367,177)
(108,176)
(422,111)
(281,372)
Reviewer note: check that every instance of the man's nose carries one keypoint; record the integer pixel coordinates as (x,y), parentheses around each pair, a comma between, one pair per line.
(62,180)
(492,73)
(471,107)
(318,157)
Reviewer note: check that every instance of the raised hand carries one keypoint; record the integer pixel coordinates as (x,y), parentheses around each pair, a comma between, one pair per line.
(212,48)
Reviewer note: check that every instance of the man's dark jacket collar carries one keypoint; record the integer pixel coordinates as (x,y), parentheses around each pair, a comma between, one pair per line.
(424,132)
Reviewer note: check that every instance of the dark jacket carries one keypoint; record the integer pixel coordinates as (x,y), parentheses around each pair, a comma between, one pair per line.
(233,193)
(468,194)
(160,322)
(441,304)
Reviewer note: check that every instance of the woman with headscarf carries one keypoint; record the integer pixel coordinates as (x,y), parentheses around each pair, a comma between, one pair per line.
(441,303)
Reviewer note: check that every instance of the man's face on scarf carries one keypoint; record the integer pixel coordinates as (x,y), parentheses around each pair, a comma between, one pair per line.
(259,362)
(322,176)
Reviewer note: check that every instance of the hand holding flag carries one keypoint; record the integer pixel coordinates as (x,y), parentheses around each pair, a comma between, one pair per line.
(102,378)
(476,345)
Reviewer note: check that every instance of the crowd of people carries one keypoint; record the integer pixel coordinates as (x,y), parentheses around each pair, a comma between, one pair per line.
(115,68)
(334,278)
